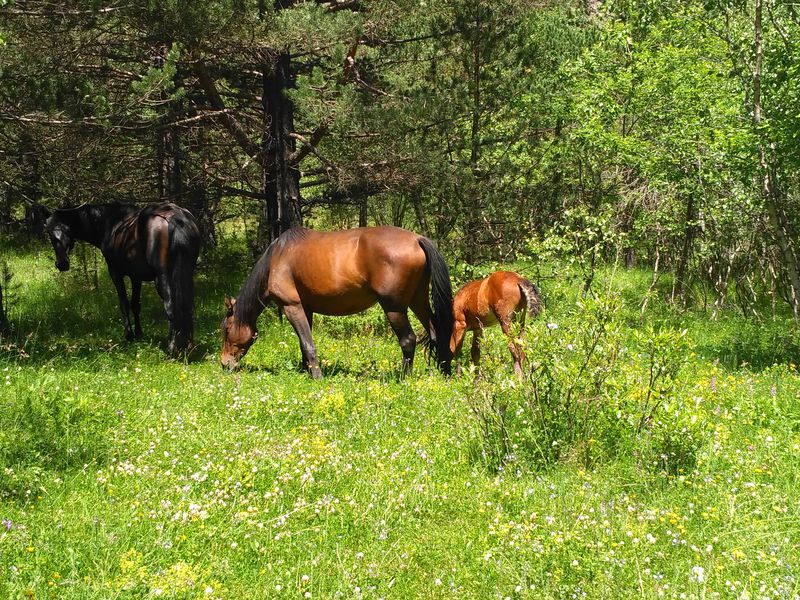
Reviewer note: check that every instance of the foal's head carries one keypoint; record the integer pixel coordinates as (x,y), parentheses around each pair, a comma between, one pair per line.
(237,337)
(62,238)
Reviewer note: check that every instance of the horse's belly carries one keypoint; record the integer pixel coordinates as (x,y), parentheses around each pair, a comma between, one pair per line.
(481,322)
(340,304)
(133,269)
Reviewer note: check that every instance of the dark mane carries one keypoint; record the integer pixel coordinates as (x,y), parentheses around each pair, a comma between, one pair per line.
(250,302)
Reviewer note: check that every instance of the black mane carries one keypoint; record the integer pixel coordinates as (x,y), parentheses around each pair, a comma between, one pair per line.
(251,301)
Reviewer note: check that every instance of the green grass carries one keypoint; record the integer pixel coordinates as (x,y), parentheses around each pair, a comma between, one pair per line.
(127,475)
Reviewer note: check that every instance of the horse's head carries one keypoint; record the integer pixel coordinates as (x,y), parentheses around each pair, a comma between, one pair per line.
(237,337)
(62,239)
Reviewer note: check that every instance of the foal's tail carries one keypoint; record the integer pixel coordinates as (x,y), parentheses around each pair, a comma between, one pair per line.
(184,242)
(532,296)
(442,300)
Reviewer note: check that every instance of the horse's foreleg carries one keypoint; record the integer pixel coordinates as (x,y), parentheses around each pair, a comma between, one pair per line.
(398,319)
(310,319)
(516,351)
(136,305)
(302,327)
(124,306)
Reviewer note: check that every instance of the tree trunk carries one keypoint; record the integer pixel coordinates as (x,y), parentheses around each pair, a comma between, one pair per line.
(168,144)
(679,288)
(770,190)
(3,320)
(281,178)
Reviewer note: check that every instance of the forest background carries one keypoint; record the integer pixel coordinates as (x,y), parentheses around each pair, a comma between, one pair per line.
(662,134)
(637,159)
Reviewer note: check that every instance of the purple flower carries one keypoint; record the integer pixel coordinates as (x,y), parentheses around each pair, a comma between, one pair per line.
(8,524)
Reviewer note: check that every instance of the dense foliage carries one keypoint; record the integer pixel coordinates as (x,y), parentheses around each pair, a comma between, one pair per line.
(657,132)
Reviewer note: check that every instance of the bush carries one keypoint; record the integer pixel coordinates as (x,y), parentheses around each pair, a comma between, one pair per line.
(585,396)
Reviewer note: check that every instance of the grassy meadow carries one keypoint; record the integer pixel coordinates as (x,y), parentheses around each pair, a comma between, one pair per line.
(650,455)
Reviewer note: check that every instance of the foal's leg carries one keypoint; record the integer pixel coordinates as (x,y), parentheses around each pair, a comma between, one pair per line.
(398,319)
(516,351)
(136,305)
(475,351)
(296,315)
(124,306)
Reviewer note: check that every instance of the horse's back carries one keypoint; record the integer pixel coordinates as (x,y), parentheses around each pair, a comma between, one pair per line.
(143,242)
(347,271)
(482,301)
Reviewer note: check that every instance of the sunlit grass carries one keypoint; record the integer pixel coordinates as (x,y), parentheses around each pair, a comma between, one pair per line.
(125,474)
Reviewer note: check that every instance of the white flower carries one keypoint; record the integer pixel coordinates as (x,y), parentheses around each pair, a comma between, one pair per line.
(552,326)
(699,574)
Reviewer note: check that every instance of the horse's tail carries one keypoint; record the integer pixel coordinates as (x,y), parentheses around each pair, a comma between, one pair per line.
(442,301)
(532,295)
(184,247)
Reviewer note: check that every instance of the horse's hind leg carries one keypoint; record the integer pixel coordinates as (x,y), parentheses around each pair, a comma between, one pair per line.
(124,305)
(296,315)
(136,305)
(165,291)
(398,319)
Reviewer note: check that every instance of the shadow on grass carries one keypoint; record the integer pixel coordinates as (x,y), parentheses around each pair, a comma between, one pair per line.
(63,316)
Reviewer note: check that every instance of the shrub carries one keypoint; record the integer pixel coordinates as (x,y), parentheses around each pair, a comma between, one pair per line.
(585,397)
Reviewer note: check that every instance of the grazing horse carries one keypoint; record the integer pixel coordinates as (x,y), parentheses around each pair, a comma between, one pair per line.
(485,302)
(343,273)
(157,243)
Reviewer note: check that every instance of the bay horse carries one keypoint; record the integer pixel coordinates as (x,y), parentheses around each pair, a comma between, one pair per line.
(158,243)
(485,302)
(343,273)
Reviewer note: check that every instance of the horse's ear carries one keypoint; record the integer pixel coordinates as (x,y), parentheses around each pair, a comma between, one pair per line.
(229,303)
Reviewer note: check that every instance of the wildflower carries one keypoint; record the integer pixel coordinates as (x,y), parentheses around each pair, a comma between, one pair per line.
(8,524)
(699,574)
(552,326)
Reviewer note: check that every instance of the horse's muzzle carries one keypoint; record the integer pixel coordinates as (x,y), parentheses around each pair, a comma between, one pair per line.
(62,265)
(229,364)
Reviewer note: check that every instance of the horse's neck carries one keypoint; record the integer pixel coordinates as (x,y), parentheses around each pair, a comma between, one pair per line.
(82,226)
(250,308)
(253,296)
(95,222)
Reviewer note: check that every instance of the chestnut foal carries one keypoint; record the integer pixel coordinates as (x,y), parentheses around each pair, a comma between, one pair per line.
(485,302)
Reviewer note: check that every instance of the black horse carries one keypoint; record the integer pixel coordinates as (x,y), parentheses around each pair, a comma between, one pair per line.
(157,243)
